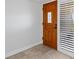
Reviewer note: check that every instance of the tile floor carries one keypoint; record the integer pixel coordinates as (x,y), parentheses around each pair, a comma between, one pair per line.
(40,52)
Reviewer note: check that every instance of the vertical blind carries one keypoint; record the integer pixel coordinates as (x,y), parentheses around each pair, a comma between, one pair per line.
(67,26)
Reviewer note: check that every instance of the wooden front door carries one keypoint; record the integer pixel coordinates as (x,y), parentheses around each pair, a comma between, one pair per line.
(50,24)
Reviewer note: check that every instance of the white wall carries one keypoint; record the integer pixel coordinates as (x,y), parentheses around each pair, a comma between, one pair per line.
(23,24)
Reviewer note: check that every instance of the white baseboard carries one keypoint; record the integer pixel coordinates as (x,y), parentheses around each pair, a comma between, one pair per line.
(21,49)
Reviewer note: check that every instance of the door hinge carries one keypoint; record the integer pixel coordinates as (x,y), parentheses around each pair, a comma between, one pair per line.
(42,38)
(42,8)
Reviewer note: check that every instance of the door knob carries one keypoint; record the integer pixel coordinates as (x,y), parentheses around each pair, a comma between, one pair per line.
(55,26)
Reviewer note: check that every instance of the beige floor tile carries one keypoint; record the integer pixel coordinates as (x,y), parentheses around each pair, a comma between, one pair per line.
(40,52)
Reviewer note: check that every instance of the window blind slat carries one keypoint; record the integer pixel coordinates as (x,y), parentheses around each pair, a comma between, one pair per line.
(66,26)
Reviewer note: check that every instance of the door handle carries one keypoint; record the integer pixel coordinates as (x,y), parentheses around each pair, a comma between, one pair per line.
(55,26)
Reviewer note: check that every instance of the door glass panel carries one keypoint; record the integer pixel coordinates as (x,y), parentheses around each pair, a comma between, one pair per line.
(49,17)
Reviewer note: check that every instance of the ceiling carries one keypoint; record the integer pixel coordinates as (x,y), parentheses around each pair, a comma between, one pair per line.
(44,1)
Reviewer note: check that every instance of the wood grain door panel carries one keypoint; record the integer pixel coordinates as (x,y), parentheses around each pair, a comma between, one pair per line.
(50,29)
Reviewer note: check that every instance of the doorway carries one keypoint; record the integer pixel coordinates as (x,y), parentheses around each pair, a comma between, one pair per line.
(50,24)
